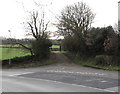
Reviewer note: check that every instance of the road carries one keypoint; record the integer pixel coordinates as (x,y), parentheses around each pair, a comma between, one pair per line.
(63,76)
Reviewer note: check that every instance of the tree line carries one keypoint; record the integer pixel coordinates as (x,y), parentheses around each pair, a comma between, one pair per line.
(81,39)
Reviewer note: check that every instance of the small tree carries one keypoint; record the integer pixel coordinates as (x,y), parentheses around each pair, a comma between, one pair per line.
(40,44)
(37,26)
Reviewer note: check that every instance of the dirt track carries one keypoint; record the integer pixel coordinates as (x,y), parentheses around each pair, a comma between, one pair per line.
(61,60)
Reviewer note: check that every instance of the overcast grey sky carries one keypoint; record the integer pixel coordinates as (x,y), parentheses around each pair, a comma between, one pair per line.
(13,13)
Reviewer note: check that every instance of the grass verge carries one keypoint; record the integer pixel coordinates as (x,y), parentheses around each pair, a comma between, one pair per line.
(55,46)
(91,63)
(28,64)
(59,51)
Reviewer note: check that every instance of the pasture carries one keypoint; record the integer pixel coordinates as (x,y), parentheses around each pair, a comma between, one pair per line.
(55,46)
(8,53)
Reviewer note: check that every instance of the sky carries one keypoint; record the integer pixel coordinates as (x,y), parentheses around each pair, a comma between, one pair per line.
(15,12)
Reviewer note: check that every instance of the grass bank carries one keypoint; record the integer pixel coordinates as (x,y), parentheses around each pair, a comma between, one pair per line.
(28,65)
(91,63)
(26,62)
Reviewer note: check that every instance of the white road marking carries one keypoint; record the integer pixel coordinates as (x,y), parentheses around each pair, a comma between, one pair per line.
(94,80)
(21,73)
(103,81)
(85,73)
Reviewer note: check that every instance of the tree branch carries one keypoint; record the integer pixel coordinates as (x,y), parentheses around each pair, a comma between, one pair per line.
(25,47)
(32,30)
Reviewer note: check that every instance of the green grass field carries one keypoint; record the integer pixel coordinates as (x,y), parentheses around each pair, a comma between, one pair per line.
(8,45)
(8,53)
(55,46)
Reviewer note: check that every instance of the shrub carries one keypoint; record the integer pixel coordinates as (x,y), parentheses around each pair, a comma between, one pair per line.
(74,44)
(100,60)
(108,60)
(112,60)
(41,48)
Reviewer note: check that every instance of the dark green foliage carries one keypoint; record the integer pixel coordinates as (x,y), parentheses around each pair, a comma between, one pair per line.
(117,52)
(98,36)
(74,44)
(84,41)
(100,42)
(91,45)
(100,60)
(40,48)
(107,60)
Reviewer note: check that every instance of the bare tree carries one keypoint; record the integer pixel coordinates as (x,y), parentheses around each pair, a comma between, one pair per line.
(37,25)
(75,19)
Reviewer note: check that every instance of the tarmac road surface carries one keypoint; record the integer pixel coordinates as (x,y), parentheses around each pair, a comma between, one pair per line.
(63,76)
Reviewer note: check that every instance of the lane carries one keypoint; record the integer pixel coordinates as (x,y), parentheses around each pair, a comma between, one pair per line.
(62,63)
(61,76)
(94,81)
(22,84)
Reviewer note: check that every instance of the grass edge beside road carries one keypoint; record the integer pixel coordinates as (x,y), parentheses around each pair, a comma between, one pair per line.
(91,63)
(29,64)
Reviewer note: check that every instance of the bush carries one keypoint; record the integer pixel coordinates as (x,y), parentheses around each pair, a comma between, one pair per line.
(74,44)
(100,60)
(112,60)
(40,48)
(107,60)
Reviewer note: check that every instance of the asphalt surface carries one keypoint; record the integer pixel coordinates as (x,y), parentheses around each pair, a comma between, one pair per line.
(63,76)
(75,78)
(18,84)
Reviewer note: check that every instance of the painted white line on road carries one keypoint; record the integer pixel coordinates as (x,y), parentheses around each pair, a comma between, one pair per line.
(84,73)
(103,81)
(21,74)
(67,84)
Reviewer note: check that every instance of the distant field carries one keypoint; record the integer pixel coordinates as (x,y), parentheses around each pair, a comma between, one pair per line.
(16,45)
(8,45)
(55,46)
(8,53)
